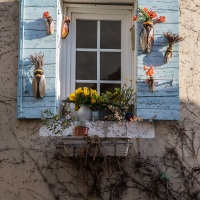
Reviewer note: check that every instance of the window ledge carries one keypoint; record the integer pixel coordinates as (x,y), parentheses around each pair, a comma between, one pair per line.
(110,129)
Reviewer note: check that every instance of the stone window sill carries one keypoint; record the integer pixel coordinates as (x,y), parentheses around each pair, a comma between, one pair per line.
(110,129)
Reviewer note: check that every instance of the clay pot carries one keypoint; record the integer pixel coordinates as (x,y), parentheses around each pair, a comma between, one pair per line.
(81,131)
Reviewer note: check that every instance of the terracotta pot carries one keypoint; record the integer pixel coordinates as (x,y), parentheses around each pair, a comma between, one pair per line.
(81,131)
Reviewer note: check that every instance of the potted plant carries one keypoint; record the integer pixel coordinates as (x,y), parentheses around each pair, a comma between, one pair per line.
(85,100)
(119,104)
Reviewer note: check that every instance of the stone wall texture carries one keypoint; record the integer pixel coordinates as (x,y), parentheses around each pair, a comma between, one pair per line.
(28,168)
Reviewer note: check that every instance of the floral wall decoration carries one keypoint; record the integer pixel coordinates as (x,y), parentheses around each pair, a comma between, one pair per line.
(172,39)
(150,81)
(49,23)
(65,27)
(39,81)
(149,18)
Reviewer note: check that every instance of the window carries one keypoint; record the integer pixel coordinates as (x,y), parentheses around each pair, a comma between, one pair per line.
(98,50)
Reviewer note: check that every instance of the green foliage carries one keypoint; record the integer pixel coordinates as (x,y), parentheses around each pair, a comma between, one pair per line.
(55,123)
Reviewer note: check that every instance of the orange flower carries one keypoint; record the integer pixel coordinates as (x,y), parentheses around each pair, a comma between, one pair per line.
(134,18)
(145,67)
(152,14)
(146,10)
(150,70)
(161,19)
(46,14)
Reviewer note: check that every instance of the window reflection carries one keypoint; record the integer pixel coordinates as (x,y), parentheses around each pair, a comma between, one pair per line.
(86,35)
(110,35)
(110,66)
(89,85)
(86,65)
(108,87)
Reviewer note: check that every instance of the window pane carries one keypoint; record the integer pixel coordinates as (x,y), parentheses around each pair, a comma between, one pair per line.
(90,85)
(86,34)
(108,87)
(86,65)
(110,35)
(110,64)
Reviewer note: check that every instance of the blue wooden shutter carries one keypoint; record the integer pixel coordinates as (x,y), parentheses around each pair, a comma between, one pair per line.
(163,103)
(33,38)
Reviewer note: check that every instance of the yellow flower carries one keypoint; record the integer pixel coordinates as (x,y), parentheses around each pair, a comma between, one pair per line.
(93,100)
(86,91)
(72,97)
(94,93)
(79,90)
(127,78)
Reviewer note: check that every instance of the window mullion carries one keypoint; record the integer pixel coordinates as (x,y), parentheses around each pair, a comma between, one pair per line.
(98,56)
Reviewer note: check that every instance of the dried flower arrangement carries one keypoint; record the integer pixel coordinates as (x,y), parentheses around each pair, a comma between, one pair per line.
(150,81)
(49,23)
(39,82)
(172,39)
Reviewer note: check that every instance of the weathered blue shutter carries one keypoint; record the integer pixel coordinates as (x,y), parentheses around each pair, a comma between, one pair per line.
(163,103)
(33,39)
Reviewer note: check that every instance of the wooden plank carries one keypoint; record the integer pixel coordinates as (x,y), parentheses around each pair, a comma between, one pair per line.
(158,114)
(46,101)
(38,25)
(35,112)
(162,72)
(159,4)
(49,70)
(37,3)
(163,88)
(159,28)
(156,59)
(160,44)
(39,39)
(49,56)
(27,87)
(34,13)
(158,103)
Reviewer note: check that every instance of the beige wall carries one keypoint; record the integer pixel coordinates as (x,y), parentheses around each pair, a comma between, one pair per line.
(28,168)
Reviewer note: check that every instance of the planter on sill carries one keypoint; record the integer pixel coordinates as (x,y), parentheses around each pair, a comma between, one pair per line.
(109,146)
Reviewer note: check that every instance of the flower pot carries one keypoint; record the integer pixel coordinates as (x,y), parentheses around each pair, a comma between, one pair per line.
(103,115)
(84,113)
(81,131)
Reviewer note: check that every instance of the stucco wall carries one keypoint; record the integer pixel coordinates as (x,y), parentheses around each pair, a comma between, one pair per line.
(28,168)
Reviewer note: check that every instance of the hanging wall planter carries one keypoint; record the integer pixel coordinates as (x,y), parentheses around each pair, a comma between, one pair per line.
(149,18)
(49,23)
(150,81)
(94,146)
(39,81)
(172,39)
(147,37)
(65,27)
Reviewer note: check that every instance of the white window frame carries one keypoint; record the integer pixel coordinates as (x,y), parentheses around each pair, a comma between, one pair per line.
(96,12)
